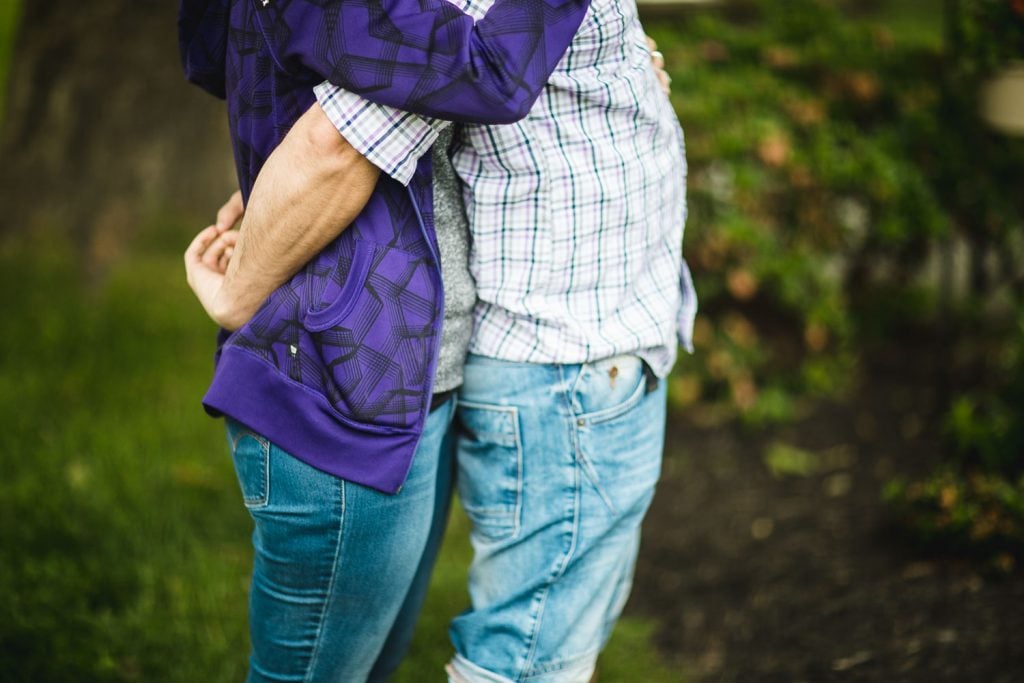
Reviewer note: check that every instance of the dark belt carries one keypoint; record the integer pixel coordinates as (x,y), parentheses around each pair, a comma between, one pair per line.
(439,399)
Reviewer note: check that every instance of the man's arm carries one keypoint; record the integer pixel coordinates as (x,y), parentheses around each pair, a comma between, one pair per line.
(324,159)
(310,189)
(394,140)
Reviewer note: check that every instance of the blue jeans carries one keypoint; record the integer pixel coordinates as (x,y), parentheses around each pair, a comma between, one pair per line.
(557,466)
(340,570)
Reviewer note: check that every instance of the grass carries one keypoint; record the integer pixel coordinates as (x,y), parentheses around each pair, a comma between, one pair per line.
(125,544)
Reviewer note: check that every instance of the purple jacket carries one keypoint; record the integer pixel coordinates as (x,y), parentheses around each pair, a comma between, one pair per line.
(337,365)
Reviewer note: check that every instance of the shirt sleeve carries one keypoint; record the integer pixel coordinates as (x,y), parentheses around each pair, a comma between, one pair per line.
(391,139)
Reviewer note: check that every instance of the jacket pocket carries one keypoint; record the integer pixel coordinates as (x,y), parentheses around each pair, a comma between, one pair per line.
(334,287)
(372,321)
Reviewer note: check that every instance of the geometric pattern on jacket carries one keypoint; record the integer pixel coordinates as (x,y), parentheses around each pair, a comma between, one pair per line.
(359,325)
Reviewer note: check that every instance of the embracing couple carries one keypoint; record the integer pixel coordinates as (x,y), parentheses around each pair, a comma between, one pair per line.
(413,306)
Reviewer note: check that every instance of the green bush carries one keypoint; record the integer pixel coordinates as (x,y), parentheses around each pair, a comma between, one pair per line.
(834,160)
(975,499)
(828,160)
(980,515)
(988,33)
(805,190)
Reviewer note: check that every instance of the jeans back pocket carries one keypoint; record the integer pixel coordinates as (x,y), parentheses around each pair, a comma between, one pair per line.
(251,454)
(490,461)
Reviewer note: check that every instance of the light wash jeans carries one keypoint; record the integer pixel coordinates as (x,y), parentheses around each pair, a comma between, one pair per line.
(340,570)
(557,466)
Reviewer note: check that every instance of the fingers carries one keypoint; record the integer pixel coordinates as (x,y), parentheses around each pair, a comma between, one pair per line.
(657,58)
(658,62)
(218,251)
(200,243)
(664,80)
(210,249)
(194,254)
(230,213)
(225,259)
(227,241)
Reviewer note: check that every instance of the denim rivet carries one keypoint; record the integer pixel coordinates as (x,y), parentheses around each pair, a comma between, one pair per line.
(581,422)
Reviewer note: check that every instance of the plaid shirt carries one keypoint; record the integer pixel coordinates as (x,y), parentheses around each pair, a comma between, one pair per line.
(576,211)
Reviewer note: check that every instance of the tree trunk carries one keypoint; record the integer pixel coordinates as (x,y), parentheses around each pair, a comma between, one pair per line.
(102,135)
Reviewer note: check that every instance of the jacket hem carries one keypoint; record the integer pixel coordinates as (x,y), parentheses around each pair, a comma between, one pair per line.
(306,425)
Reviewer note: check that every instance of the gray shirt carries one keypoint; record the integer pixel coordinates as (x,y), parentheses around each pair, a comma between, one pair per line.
(459,288)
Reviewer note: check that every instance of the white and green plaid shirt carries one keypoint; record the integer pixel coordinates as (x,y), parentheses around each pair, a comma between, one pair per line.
(576,212)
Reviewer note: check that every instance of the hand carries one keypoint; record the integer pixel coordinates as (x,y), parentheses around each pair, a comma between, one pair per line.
(227,217)
(658,62)
(232,212)
(206,261)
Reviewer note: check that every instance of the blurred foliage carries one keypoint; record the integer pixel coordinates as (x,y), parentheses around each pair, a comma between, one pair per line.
(987,34)
(974,501)
(801,187)
(842,189)
(784,460)
(981,514)
(10,12)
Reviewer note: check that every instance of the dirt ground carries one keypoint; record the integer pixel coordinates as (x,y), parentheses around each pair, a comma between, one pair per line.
(754,577)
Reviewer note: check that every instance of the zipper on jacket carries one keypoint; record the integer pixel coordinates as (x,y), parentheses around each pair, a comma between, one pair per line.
(423,225)
(437,349)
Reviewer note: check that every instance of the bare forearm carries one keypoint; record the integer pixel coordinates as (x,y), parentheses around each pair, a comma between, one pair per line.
(310,189)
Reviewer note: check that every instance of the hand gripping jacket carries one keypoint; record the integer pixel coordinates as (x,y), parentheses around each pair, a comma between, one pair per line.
(337,365)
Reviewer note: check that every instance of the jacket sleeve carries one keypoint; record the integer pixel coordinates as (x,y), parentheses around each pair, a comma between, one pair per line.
(202,43)
(426,56)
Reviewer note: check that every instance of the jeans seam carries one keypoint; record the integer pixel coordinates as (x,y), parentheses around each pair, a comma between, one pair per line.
(581,420)
(318,641)
(560,570)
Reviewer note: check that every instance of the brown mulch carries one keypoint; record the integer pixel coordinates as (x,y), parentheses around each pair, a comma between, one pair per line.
(754,577)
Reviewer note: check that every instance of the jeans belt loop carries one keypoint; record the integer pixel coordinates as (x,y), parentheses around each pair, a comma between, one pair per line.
(651,378)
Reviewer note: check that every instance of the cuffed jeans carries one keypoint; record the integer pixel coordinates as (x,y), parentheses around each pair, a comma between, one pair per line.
(557,466)
(340,570)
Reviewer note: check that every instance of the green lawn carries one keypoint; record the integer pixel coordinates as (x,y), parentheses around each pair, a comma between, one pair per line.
(124,540)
